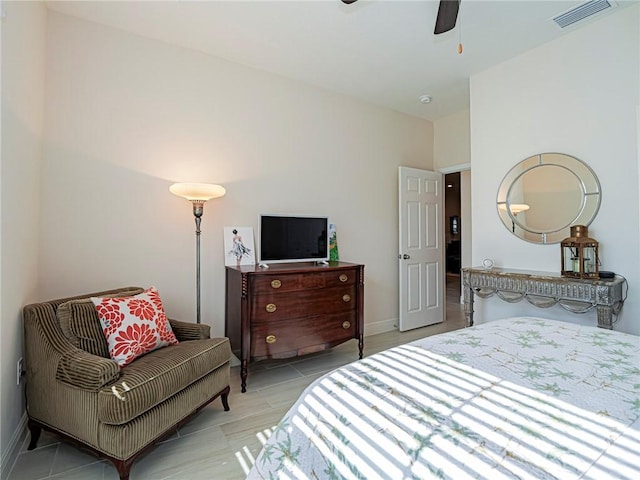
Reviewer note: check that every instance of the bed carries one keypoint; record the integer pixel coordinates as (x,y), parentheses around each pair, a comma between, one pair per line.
(515,398)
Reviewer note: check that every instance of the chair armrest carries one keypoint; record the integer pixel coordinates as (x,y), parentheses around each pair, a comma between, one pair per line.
(83,370)
(190,331)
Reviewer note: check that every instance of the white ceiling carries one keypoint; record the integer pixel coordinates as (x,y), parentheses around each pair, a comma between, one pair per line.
(380,51)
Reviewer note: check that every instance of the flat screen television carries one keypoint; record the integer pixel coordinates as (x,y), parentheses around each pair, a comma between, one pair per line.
(293,238)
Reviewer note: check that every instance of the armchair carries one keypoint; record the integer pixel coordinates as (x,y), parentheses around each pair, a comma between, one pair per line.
(74,389)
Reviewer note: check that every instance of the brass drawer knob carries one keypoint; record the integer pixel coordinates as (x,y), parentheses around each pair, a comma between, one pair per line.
(271,307)
(346,297)
(343,277)
(346,324)
(276,283)
(270,339)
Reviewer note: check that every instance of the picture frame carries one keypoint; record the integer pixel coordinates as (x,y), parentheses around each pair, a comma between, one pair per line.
(239,246)
(334,256)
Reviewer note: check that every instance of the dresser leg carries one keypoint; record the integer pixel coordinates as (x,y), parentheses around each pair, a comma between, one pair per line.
(360,346)
(243,376)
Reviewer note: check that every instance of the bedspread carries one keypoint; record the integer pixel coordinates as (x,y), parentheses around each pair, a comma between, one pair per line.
(515,398)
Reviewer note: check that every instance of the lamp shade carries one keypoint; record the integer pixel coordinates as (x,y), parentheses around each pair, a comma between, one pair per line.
(515,208)
(197,191)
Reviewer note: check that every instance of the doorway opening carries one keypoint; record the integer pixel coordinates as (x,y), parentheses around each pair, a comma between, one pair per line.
(453,241)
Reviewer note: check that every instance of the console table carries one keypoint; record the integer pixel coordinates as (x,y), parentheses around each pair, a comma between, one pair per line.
(545,289)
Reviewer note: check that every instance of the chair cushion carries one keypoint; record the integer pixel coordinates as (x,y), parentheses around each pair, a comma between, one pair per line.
(80,323)
(134,325)
(158,375)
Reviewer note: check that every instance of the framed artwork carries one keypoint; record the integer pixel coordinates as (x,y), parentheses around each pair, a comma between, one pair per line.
(239,247)
(333,243)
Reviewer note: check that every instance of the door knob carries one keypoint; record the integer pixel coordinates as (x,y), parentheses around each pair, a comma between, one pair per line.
(406,257)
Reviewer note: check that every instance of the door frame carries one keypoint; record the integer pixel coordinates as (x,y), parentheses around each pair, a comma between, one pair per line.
(465,216)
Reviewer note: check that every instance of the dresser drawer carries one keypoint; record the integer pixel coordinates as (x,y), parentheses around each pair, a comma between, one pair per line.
(289,282)
(297,336)
(282,305)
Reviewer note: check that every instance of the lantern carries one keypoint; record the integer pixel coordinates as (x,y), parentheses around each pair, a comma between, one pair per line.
(579,254)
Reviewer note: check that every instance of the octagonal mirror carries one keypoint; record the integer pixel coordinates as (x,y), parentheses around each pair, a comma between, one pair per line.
(543,195)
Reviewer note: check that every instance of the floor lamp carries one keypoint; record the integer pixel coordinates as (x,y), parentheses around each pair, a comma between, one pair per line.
(198,194)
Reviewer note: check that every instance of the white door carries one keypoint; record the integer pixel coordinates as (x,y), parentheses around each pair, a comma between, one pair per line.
(421,255)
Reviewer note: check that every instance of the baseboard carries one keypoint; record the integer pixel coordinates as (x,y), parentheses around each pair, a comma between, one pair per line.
(13,449)
(380,327)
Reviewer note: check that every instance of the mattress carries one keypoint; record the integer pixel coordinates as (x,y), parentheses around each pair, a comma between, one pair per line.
(514,398)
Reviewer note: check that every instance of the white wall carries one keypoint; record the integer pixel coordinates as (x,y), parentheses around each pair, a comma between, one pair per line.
(127,116)
(576,95)
(23,50)
(451,144)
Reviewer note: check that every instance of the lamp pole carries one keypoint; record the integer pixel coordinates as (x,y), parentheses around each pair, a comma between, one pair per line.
(198,210)
(198,194)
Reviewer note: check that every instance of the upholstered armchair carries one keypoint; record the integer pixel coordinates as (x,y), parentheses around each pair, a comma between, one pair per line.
(74,388)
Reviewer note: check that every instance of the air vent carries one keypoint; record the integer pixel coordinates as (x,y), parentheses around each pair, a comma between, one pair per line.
(582,11)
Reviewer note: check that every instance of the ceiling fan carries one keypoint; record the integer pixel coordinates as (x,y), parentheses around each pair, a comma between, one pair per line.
(447,15)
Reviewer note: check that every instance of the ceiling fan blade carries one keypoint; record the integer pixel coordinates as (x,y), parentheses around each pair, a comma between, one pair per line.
(447,15)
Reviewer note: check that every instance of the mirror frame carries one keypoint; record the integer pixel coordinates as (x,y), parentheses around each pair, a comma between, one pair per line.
(589,205)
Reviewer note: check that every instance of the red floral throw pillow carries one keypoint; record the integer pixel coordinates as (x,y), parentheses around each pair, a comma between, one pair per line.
(134,325)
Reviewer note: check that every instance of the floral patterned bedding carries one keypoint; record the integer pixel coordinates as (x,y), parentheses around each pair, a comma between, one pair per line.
(516,398)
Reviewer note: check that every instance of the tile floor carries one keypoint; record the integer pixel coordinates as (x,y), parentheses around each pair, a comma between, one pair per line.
(218,444)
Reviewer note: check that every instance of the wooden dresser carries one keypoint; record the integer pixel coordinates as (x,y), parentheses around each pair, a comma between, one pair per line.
(292,309)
